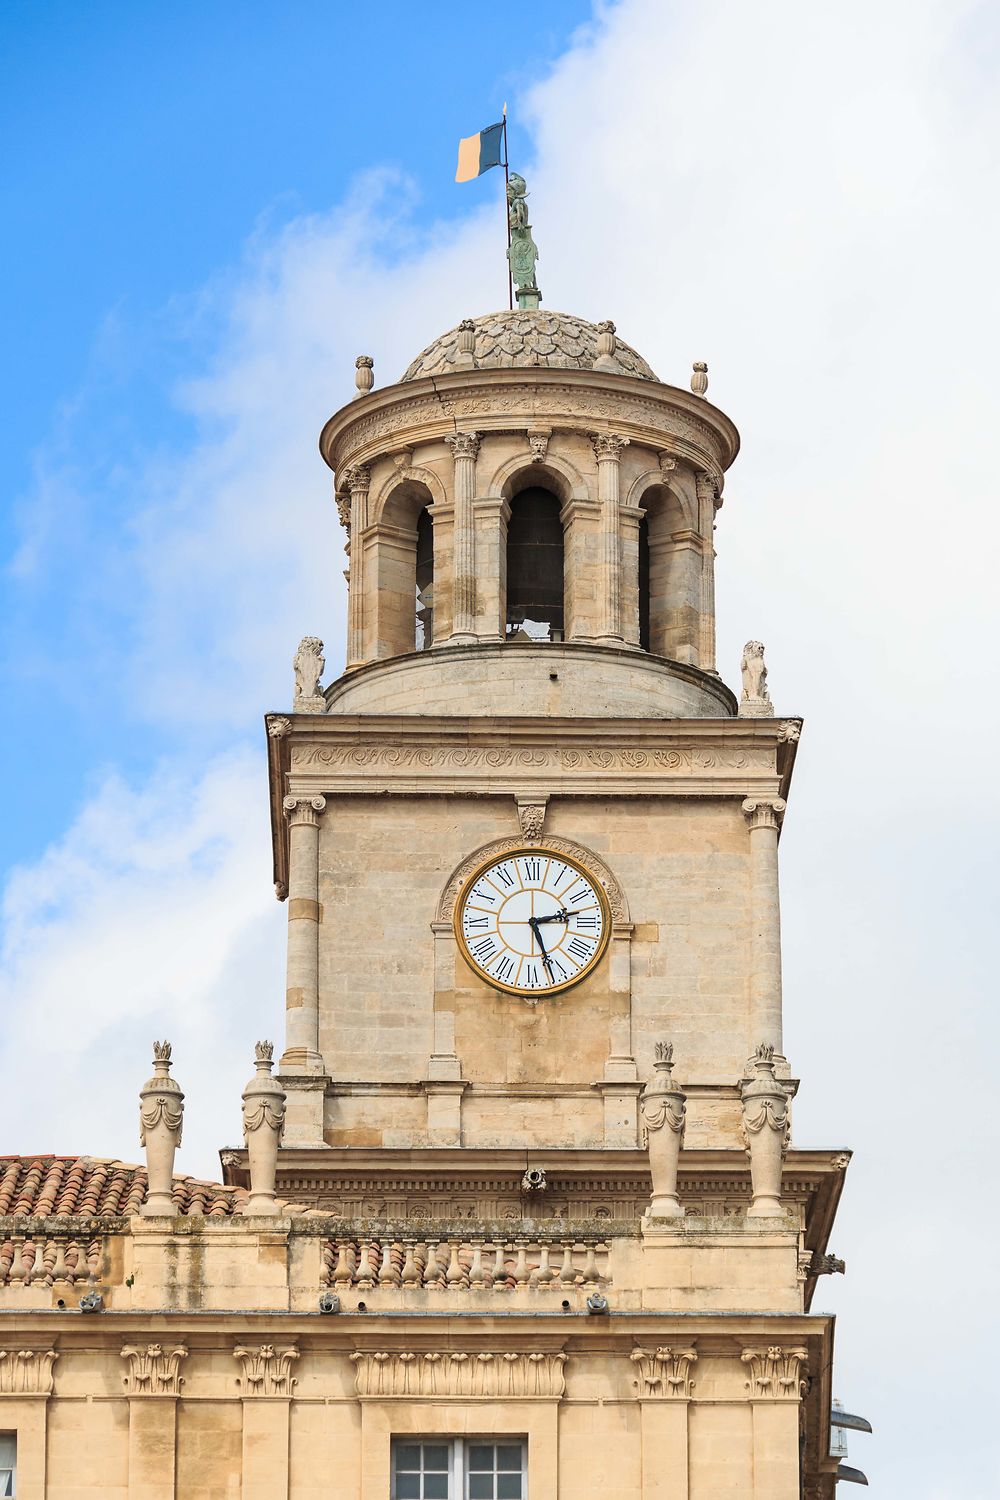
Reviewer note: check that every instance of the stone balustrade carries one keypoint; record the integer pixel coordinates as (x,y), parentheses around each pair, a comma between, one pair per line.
(470,1263)
(37,1253)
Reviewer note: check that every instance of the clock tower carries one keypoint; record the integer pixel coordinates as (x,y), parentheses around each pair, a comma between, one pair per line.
(533,1050)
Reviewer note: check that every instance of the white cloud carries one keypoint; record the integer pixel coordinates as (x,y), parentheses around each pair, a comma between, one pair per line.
(806,197)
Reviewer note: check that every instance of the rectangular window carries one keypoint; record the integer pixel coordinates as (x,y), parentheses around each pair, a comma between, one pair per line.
(459,1469)
(8,1463)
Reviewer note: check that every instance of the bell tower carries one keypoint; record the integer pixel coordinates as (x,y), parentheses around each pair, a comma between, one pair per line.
(529,844)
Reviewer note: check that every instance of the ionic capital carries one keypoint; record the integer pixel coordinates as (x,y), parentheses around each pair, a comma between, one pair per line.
(303,812)
(761,813)
(608,446)
(464,444)
(357,477)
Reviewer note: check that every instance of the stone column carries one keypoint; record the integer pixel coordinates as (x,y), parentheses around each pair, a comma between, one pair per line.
(263,1127)
(302,1054)
(608,448)
(764,819)
(464,447)
(766,1132)
(358,478)
(776,1383)
(708,503)
(161,1118)
(663,1111)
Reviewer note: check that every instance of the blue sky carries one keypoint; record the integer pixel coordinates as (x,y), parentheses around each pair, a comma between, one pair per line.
(148,144)
(209,211)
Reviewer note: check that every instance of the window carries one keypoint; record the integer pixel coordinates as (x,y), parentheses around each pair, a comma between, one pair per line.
(462,1469)
(8,1463)
(534,567)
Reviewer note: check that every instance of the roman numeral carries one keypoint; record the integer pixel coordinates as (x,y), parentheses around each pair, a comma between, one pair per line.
(471,922)
(579,895)
(557,968)
(504,969)
(532,868)
(578,948)
(504,875)
(587,920)
(483,895)
(485,948)
(531,975)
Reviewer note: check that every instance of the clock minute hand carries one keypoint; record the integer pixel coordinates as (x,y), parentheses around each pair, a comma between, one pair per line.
(546,961)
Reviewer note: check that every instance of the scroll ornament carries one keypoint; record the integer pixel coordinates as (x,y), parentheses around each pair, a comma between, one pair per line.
(152,1370)
(663,1117)
(263,1128)
(664,1372)
(766,1134)
(161,1117)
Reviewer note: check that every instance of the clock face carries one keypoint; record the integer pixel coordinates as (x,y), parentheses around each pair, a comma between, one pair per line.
(532,922)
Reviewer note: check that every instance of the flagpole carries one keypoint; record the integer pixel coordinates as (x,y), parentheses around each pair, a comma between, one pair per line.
(506,212)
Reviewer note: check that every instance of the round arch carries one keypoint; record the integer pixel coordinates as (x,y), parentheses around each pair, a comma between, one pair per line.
(551,472)
(398,480)
(653,479)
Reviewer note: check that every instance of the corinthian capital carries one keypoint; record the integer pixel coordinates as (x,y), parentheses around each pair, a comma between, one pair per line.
(764,813)
(608,445)
(304,811)
(356,477)
(464,444)
(776,1372)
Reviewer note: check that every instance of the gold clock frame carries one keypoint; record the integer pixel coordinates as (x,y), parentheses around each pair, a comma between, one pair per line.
(581,868)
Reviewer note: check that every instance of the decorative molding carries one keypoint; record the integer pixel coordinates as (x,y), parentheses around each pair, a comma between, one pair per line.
(613,891)
(683,759)
(486,1374)
(266,1369)
(664,1373)
(776,1373)
(26,1372)
(153,1370)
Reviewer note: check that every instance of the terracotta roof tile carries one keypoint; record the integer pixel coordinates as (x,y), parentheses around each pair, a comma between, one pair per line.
(47,1185)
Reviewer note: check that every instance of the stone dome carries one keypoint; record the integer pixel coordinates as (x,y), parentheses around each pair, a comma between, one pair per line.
(522,339)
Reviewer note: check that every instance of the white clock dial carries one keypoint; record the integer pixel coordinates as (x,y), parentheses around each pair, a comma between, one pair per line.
(532,921)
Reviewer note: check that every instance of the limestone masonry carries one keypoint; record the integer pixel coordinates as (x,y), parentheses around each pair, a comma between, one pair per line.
(517,1211)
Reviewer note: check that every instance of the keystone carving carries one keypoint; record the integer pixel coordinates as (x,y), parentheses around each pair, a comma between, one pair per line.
(266,1370)
(153,1370)
(531,816)
(664,1372)
(26,1372)
(776,1373)
(488,1374)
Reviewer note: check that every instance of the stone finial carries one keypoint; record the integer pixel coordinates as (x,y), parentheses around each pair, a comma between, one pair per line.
(263,1128)
(755,703)
(766,1133)
(663,1108)
(308,667)
(364,374)
(465,358)
(699,377)
(161,1119)
(607,343)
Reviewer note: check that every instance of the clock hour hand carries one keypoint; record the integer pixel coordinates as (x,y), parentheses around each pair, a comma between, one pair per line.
(546,961)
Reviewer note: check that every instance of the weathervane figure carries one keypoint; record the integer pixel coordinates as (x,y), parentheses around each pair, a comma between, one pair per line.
(522,252)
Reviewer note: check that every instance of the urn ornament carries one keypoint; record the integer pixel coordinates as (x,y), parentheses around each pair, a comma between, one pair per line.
(161,1116)
(663,1111)
(766,1133)
(263,1127)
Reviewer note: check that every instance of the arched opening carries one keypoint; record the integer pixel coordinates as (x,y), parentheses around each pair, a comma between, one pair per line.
(644,581)
(535,609)
(669,577)
(424,623)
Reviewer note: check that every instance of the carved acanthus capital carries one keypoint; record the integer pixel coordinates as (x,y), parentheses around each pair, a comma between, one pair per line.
(776,1373)
(266,1369)
(707,488)
(464,444)
(26,1372)
(608,446)
(485,1374)
(278,726)
(303,812)
(357,478)
(764,813)
(664,1372)
(153,1370)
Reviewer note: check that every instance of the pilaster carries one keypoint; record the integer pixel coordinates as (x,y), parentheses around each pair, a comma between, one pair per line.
(302,1054)
(608,450)
(763,817)
(464,447)
(358,480)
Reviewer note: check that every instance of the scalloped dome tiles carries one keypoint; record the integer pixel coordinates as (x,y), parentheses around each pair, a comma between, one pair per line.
(520,339)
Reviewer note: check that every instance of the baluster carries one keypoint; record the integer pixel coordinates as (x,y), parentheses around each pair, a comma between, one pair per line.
(363,1279)
(411,1271)
(326,1264)
(81,1270)
(521,1264)
(490,1271)
(566,1273)
(476,1282)
(17,1269)
(454,1275)
(342,1270)
(590,1273)
(545,1274)
(432,1270)
(36,1271)
(59,1271)
(388,1275)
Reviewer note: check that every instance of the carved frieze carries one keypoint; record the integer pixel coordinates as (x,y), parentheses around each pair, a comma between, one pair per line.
(683,758)
(153,1370)
(664,1372)
(776,1373)
(266,1369)
(26,1372)
(486,1374)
